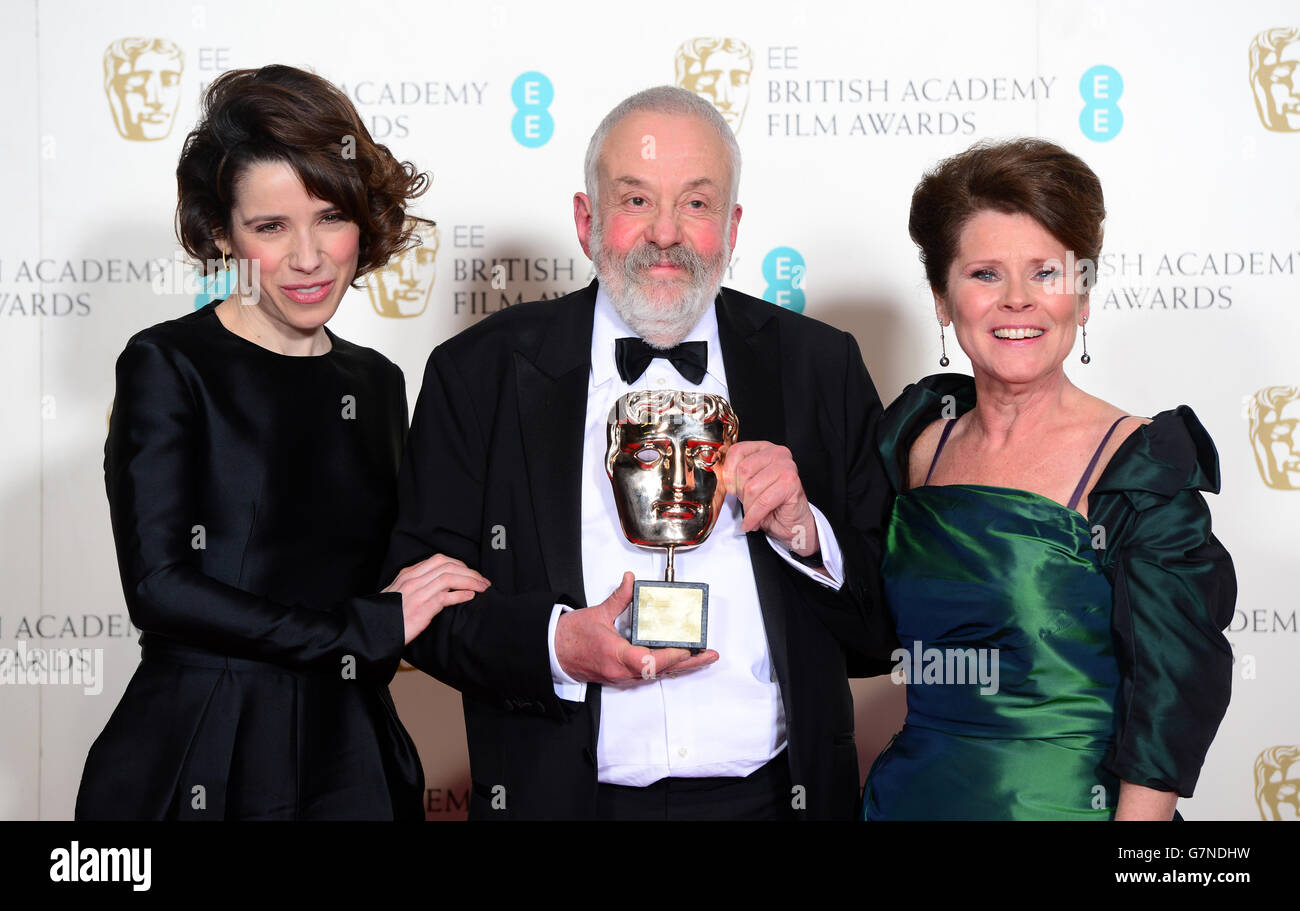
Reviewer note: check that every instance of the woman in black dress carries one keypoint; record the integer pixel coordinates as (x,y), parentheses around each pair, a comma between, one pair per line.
(251,469)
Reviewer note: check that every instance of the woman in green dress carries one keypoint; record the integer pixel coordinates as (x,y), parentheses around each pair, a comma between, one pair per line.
(1049,565)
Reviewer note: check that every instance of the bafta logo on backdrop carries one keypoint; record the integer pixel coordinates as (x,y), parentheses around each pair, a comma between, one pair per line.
(142,78)
(1275,78)
(718,70)
(1274,414)
(403,288)
(1277,783)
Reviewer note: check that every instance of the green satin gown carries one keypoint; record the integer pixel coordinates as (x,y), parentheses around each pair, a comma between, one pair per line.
(1110,660)
(1020,731)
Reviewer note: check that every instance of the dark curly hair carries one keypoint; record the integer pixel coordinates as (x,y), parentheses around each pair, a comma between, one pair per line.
(1033,177)
(283,114)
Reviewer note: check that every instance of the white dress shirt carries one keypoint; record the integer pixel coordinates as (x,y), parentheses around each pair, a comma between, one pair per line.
(725,719)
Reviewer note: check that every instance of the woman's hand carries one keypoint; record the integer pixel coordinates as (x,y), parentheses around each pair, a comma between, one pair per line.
(1139,802)
(429,586)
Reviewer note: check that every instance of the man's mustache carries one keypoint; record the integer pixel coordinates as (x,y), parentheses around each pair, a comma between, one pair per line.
(642,257)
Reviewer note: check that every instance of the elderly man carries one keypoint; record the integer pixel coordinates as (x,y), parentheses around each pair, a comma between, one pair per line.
(505,468)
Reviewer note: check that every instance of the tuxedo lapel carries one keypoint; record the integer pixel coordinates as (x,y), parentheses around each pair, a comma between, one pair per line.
(551,385)
(751,355)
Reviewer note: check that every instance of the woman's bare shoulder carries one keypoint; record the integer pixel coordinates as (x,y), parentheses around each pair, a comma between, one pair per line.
(1104,415)
(922,453)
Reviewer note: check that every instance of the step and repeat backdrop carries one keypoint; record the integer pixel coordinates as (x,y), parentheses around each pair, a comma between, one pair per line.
(1190,114)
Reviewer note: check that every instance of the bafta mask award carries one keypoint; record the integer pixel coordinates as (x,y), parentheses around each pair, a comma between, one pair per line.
(665,452)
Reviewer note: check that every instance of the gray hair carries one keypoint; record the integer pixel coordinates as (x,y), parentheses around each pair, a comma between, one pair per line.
(662,99)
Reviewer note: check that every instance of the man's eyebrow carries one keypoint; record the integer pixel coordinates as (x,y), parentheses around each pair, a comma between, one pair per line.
(629,181)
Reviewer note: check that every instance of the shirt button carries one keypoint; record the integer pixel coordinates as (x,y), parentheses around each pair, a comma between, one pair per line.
(681,752)
(662,381)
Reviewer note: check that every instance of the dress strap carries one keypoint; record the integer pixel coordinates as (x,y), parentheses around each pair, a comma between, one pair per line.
(1087,473)
(947,429)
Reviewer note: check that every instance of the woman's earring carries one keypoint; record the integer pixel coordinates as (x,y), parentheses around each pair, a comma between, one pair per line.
(943,348)
(225,265)
(1087,359)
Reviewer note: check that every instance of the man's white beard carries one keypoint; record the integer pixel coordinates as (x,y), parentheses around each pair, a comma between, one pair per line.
(661,312)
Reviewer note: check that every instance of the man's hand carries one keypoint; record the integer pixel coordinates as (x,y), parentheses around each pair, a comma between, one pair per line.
(589,649)
(765,479)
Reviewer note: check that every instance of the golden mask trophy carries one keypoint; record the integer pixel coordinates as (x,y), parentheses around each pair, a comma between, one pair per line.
(666,449)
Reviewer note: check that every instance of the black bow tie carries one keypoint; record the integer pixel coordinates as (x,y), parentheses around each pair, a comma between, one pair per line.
(633,356)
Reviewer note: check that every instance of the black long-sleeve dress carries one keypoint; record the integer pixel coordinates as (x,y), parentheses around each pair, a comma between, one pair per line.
(251,496)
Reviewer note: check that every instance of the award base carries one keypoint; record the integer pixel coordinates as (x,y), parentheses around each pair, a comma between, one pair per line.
(670,614)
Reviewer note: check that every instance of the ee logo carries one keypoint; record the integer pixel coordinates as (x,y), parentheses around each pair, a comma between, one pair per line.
(784,270)
(532,93)
(1101,119)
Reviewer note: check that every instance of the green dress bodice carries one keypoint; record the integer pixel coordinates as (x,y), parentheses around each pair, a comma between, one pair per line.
(1003,618)
(1111,661)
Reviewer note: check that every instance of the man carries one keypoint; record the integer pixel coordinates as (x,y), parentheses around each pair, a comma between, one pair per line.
(505,468)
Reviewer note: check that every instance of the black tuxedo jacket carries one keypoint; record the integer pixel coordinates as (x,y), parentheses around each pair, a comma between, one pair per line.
(491,475)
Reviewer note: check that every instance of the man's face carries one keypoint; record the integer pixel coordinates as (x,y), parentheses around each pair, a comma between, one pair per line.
(1279,80)
(403,287)
(665,479)
(148,92)
(722,78)
(1278,440)
(663,225)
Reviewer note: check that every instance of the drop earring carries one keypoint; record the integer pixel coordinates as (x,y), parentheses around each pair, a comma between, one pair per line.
(943,348)
(1086,358)
(225,265)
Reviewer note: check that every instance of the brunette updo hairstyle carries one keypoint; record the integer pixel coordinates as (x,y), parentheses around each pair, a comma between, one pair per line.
(1019,176)
(282,114)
